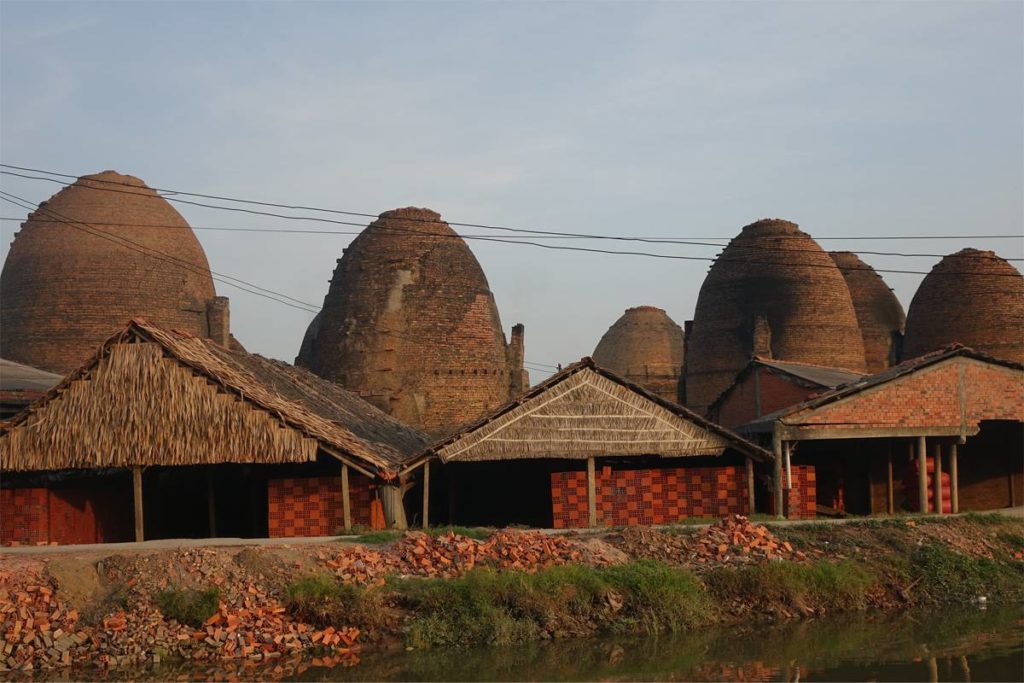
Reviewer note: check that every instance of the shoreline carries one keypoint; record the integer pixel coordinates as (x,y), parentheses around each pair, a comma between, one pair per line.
(482,587)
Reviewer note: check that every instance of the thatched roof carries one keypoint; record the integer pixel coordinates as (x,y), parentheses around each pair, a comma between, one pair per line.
(150,396)
(586,411)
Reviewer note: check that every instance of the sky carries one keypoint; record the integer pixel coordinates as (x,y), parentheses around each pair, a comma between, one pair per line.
(660,119)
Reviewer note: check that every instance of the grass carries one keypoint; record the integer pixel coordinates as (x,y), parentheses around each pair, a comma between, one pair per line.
(322,600)
(946,576)
(833,586)
(377,537)
(189,606)
(475,532)
(485,607)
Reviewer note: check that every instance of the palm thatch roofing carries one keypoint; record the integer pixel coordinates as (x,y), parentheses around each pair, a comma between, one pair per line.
(151,396)
(586,411)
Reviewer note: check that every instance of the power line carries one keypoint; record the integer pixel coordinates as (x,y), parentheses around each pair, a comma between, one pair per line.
(485,226)
(167,258)
(595,250)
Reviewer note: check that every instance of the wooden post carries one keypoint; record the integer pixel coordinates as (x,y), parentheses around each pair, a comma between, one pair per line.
(137,489)
(750,485)
(391,496)
(426,495)
(890,492)
(787,449)
(777,452)
(954,483)
(346,499)
(211,507)
(591,492)
(937,480)
(922,473)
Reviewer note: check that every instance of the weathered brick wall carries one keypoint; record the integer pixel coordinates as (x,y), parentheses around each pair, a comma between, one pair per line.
(311,506)
(930,398)
(24,516)
(777,391)
(81,514)
(65,291)
(799,293)
(972,297)
(646,347)
(801,502)
(649,496)
(409,323)
(879,312)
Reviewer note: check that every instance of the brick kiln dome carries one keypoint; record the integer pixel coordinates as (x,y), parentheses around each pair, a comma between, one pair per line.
(646,347)
(66,289)
(775,293)
(410,324)
(972,297)
(879,312)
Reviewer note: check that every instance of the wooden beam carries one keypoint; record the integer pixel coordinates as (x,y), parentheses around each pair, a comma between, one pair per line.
(787,450)
(591,492)
(796,433)
(922,473)
(137,490)
(937,480)
(346,499)
(750,486)
(211,506)
(890,492)
(954,483)
(426,495)
(777,453)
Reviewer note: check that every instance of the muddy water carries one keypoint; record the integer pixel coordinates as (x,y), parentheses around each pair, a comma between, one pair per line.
(956,645)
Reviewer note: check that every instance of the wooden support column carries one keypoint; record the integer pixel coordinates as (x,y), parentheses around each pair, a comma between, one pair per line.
(750,486)
(137,490)
(922,473)
(937,480)
(954,483)
(346,499)
(211,503)
(777,453)
(787,449)
(426,495)
(591,493)
(391,496)
(890,493)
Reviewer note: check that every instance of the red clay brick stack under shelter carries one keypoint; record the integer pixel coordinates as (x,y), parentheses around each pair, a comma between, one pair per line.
(410,324)
(973,298)
(100,252)
(646,347)
(879,313)
(773,292)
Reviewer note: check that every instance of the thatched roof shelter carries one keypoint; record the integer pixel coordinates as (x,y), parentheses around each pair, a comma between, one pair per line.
(150,396)
(584,412)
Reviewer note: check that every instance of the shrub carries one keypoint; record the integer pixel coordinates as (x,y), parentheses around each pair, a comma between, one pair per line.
(189,606)
(322,600)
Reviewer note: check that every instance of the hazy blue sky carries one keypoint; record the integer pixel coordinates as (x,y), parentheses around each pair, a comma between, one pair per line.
(662,119)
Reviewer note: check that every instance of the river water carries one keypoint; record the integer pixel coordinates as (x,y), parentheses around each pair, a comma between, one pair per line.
(966,644)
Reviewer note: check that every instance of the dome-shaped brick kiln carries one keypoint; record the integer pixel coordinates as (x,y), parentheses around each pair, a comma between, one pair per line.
(972,297)
(773,292)
(879,313)
(646,347)
(410,324)
(103,250)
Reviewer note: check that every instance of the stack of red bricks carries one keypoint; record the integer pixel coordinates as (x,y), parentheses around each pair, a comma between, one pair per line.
(644,497)
(24,516)
(311,506)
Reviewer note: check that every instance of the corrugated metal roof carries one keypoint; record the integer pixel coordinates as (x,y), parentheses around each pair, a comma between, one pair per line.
(19,377)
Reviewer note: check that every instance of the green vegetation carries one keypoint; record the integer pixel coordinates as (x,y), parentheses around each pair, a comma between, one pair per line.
(323,600)
(189,606)
(378,537)
(479,533)
(832,586)
(487,607)
(943,575)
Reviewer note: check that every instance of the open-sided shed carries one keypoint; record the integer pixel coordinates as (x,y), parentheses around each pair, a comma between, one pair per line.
(193,419)
(941,432)
(586,448)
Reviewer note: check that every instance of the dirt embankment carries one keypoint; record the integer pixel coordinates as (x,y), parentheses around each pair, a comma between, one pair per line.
(264,602)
